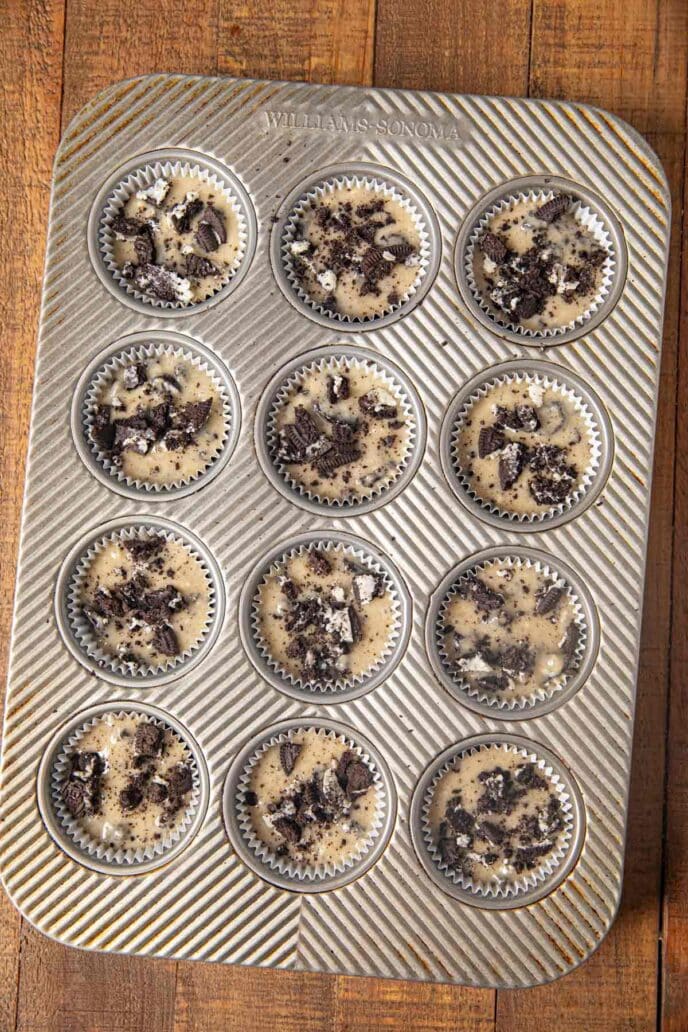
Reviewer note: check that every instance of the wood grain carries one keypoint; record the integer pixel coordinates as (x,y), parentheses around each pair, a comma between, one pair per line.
(31,52)
(630,58)
(674,1012)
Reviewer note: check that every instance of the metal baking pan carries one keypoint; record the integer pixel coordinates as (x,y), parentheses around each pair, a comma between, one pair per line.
(206,903)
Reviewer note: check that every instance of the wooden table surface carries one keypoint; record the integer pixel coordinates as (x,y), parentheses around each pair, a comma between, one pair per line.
(629,56)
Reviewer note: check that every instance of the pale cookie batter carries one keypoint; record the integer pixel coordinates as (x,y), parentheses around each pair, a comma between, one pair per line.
(356,252)
(537,265)
(129,782)
(160,421)
(177,240)
(342,432)
(496,815)
(312,799)
(323,618)
(510,631)
(146,599)
(524,447)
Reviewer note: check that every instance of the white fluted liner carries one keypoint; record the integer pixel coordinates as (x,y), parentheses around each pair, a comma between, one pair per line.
(320,193)
(587,217)
(517,702)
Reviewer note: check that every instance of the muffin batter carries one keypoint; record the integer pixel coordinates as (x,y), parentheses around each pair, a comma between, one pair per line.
(356,252)
(146,599)
(323,618)
(177,240)
(312,799)
(537,265)
(524,447)
(342,433)
(509,631)
(129,782)
(495,816)
(160,421)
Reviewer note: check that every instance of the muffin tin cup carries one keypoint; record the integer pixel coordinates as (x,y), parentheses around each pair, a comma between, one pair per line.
(137,347)
(141,172)
(67,832)
(277,394)
(541,701)
(77,632)
(528,887)
(317,188)
(589,210)
(587,404)
(258,650)
(286,873)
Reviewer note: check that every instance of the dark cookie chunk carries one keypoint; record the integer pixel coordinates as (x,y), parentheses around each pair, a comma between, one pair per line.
(449,851)
(550,492)
(155,280)
(149,739)
(306,425)
(165,641)
(358,779)
(495,248)
(130,797)
(401,251)
(483,595)
(376,407)
(338,388)
(250,798)
(511,464)
(288,754)
(340,455)
(125,227)
(194,415)
(143,549)
(319,563)
(528,776)
(569,645)
(490,439)
(179,782)
(552,209)
(211,232)
(157,792)
(287,828)
(103,430)
(460,820)
(134,375)
(518,659)
(197,267)
(491,832)
(494,682)
(547,599)
(74,797)
(500,793)
(186,211)
(144,247)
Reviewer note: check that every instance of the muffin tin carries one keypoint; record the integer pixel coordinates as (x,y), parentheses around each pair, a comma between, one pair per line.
(455,156)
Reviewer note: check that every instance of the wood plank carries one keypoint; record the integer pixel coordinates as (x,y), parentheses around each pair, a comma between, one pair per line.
(371,1005)
(326,41)
(31,46)
(674,1011)
(630,59)
(462,46)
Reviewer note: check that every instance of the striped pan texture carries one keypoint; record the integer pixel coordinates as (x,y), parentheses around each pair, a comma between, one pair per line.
(393,921)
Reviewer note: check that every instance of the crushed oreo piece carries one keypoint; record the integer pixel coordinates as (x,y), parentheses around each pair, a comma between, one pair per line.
(552,209)
(149,739)
(495,248)
(490,439)
(165,641)
(547,599)
(288,754)
(512,461)
(211,232)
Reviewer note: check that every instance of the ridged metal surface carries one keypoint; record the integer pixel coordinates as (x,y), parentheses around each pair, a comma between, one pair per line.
(394,921)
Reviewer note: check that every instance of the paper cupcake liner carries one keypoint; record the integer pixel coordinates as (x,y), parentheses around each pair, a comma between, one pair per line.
(285,866)
(586,216)
(106,374)
(92,847)
(584,481)
(518,884)
(540,695)
(83,632)
(345,683)
(319,193)
(337,364)
(143,177)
